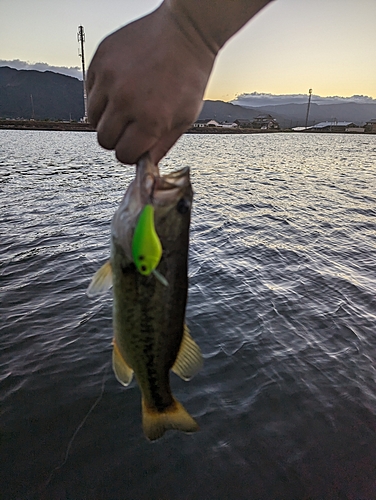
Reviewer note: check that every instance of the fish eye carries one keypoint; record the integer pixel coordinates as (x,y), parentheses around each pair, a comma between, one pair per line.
(141,257)
(183,206)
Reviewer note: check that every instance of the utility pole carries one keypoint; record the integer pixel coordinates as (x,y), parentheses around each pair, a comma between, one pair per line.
(32,107)
(81,53)
(308,106)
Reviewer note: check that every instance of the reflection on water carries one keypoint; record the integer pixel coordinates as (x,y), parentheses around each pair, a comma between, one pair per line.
(281,301)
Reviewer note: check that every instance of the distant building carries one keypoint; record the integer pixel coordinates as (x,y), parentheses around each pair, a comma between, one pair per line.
(229,124)
(214,123)
(355,130)
(265,122)
(333,126)
(243,123)
(299,129)
(370,126)
(206,123)
(200,123)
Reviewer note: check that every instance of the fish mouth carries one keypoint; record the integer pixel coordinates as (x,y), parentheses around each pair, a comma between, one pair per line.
(160,190)
(165,193)
(168,188)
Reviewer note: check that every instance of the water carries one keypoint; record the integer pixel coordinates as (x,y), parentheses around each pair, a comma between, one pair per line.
(281,302)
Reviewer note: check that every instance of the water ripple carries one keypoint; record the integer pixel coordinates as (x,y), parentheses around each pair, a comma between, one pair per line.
(281,302)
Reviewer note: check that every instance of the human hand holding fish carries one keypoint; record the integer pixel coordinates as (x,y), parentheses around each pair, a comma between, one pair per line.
(147,80)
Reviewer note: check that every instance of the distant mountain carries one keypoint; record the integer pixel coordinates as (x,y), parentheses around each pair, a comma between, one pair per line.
(74,71)
(40,95)
(225,111)
(292,115)
(59,97)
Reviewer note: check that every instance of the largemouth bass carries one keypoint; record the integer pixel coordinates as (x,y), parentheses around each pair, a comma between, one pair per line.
(150,336)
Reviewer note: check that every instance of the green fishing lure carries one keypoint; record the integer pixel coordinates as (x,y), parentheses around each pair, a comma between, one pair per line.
(146,246)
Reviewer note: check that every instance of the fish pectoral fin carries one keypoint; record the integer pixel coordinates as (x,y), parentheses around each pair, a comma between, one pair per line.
(156,423)
(122,370)
(189,359)
(101,281)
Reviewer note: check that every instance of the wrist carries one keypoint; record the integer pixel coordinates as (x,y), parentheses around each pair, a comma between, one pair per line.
(190,52)
(213,22)
(180,19)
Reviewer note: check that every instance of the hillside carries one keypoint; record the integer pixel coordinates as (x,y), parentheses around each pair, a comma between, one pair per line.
(60,97)
(54,96)
(225,111)
(293,115)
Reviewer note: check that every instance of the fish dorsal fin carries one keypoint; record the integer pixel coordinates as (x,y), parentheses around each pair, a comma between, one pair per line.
(101,281)
(189,359)
(123,372)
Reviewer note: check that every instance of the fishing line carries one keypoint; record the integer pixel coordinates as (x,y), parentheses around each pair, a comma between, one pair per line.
(82,423)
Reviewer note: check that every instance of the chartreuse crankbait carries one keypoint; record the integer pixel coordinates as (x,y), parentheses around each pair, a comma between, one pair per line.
(146,245)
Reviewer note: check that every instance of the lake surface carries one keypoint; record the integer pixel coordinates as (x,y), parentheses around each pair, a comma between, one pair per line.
(281,301)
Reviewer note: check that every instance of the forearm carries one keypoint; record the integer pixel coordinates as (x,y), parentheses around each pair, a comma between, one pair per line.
(214,21)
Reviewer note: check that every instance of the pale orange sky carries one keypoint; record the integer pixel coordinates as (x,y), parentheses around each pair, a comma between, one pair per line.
(291,46)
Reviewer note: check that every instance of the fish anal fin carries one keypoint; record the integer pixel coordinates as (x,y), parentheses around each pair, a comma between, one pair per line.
(156,423)
(101,281)
(189,359)
(122,370)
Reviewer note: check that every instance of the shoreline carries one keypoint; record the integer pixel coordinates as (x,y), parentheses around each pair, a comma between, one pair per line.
(46,125)
(86,127)
(62,126)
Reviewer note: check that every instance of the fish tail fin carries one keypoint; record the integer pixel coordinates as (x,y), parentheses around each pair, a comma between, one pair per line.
(156,423)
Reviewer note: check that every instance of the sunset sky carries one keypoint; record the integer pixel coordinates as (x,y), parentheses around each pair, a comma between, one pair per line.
(291,46)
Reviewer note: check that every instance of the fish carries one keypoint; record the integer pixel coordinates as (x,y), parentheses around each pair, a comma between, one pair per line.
(151,337)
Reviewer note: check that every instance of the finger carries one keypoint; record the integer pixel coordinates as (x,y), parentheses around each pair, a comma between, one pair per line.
(111,126)
(134,142)
(165,143)
(96,104)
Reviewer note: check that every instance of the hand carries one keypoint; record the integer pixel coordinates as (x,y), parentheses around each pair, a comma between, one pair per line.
(145,85)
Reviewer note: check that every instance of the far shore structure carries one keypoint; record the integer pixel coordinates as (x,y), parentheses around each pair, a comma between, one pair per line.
(266,123)
(260,124)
